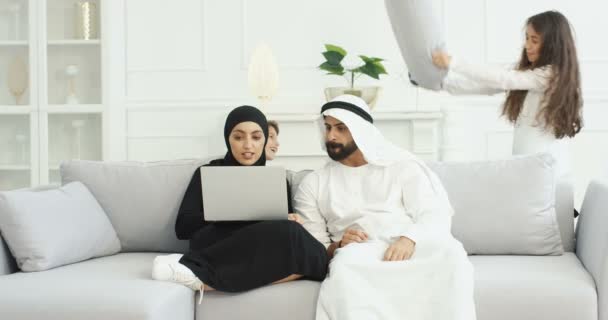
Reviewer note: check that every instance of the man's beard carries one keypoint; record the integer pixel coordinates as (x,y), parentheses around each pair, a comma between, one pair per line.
(343,151)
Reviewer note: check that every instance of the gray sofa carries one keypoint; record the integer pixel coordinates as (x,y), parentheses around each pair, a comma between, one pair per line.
(141,200)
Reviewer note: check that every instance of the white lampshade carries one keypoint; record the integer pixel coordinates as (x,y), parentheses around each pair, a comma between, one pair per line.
(263,73)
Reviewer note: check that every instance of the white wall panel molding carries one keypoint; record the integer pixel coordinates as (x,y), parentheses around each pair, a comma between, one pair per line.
(152,31)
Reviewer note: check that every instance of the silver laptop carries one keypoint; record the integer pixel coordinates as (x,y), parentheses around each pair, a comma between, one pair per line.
(244,193)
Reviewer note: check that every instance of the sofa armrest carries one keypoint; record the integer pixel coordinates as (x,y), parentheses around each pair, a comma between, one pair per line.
(592,240)
(7,262)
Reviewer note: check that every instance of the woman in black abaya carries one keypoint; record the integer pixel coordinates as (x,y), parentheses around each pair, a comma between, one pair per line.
(239,256)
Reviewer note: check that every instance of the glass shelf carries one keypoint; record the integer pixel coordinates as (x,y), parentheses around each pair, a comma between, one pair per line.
(72,42)
(8,109)
(15,167)
(14,43)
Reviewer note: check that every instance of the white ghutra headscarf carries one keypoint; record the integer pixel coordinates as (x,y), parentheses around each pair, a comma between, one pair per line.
(355,114)
(376,149)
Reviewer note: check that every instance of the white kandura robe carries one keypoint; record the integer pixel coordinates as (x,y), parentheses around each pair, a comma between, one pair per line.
(401,199)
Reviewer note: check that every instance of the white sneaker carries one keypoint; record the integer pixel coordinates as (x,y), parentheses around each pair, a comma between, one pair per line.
(168,268)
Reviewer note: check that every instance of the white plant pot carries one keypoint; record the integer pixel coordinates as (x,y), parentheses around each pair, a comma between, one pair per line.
(368,94)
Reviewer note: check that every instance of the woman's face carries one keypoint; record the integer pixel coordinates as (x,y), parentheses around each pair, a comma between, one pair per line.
(247,142)
(533,44)
(272,147)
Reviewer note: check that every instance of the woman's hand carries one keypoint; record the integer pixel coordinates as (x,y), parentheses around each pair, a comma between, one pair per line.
(295,217)
(441,59)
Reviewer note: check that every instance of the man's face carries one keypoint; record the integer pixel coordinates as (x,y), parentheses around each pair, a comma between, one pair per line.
(338,140)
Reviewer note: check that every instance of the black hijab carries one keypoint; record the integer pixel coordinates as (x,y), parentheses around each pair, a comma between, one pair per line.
(236,116)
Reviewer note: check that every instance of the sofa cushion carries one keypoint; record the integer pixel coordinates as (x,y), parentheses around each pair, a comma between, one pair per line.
(118,287)
(533,287)
(506,287)
(141,199)
(292,300)
(50,228)
(503,206)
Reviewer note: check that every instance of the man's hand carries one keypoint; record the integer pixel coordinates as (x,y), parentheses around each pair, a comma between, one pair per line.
(400,250)
(295,217)
(352,235)
(441,59)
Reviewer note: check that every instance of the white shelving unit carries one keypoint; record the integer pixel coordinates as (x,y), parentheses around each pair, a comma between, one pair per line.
(62,112)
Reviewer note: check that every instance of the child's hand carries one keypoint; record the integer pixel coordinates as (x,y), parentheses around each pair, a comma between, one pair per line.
(441,59)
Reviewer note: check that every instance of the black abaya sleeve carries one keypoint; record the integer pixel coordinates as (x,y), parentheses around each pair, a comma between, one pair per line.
(289,204)
(190,217)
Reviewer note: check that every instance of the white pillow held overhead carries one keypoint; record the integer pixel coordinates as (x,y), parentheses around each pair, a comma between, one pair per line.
(418,28)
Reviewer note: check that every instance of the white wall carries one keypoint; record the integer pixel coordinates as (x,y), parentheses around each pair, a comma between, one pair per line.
(179,65)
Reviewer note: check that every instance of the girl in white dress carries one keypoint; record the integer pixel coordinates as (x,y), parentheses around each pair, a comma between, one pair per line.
(544,100)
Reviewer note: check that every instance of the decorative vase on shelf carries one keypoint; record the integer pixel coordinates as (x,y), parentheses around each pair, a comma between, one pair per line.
(71,71)
(86,20)
(263,75)
(17,78)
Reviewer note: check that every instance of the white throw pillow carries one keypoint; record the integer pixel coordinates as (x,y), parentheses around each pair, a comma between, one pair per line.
(418,28)
(503,206)
(49,228)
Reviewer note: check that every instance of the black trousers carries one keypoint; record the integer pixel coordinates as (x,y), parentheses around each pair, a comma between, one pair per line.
(236,257)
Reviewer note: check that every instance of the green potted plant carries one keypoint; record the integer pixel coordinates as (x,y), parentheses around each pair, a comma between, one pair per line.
(371,67)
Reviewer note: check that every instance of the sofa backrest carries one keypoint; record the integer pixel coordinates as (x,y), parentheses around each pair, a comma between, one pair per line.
(564,203)
(141,199)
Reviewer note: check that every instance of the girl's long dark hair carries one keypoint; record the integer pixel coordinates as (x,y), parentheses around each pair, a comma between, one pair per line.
(563,102)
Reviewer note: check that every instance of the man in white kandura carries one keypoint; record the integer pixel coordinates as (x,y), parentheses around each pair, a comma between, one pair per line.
(385,219)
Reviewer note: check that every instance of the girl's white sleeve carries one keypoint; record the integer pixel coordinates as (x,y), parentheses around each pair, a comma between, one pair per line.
(499,78)
(457,84)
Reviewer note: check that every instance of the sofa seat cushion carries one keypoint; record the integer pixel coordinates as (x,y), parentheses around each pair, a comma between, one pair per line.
(533,287)
(292,300)
(114,287)
(506,288)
